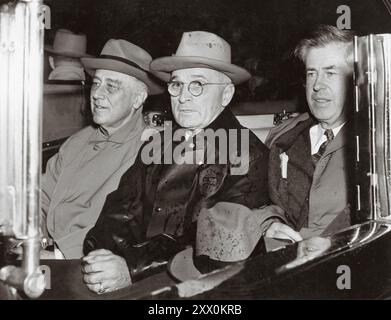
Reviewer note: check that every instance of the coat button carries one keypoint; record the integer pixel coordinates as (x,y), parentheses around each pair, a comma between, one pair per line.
(158,209)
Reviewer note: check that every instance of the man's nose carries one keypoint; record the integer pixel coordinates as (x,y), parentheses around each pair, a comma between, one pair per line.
(185,95)
(97,93)
(319,83)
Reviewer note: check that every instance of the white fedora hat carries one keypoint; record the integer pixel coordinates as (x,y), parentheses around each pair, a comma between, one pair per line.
(125,57)
(68,44)
(226,233)
(200,49)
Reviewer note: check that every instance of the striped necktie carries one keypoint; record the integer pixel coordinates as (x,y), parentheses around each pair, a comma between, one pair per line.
(330,136)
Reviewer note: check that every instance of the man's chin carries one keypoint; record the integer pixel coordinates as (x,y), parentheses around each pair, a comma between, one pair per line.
(322,114)
(321,108)
(98,120)
(187,123)
(330,122)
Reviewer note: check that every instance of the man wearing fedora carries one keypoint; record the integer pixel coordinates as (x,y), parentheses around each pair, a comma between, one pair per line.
(90,163)
(153,214)
(65,54)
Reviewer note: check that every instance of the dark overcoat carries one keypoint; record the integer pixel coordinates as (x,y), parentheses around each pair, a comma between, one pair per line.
(157,199)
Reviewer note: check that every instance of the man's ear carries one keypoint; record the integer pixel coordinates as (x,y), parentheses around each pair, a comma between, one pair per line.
(140,99)
(228,93)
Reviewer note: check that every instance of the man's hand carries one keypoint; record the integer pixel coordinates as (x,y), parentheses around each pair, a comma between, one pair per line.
(278,230)
(104,271)
(308,250)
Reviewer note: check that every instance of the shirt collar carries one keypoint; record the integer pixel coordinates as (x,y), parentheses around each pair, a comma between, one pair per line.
(317,136)
(317,131)
(338,129)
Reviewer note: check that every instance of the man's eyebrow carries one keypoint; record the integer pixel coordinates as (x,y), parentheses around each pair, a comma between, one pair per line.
(332,67)
(194,76)
(114,81)
(197,76)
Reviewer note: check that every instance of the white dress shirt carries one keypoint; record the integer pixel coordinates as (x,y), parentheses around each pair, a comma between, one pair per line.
(317,136)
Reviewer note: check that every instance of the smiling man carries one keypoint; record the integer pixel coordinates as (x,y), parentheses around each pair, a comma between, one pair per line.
(90,163)
(309,168)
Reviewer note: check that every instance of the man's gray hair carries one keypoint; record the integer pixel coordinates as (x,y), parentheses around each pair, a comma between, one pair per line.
(322,36)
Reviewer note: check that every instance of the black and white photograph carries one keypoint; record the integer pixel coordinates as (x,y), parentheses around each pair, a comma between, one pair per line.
(217,151)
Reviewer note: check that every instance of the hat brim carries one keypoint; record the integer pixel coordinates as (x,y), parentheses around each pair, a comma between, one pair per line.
(50,49)
(168,64)
(182,267)
(91,64)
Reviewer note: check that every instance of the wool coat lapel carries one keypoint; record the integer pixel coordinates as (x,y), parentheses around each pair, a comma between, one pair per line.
(292,193)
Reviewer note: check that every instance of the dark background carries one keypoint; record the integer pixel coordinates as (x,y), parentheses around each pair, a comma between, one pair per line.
(262,33)
(264,28)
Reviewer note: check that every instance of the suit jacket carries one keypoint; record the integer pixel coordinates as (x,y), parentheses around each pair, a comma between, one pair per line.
(315,198)
(160,199)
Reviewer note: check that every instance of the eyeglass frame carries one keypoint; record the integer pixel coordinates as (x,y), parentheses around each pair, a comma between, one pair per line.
(188,86)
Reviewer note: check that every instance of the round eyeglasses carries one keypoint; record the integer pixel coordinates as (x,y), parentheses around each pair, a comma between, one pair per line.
(196,88)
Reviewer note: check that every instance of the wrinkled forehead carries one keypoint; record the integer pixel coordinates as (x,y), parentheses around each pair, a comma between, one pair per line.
(332,55)
(103,74)
(190,74)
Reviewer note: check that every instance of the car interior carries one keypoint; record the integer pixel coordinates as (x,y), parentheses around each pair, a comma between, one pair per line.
(314,263)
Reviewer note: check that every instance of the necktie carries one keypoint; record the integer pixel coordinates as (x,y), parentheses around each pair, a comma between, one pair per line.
(330,136)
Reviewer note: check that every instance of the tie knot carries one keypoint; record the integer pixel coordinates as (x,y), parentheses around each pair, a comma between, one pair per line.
(329,134)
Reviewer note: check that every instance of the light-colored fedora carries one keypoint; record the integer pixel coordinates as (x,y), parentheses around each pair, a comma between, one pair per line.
(200,49)
(125,57)
(226,233)
(68,44)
